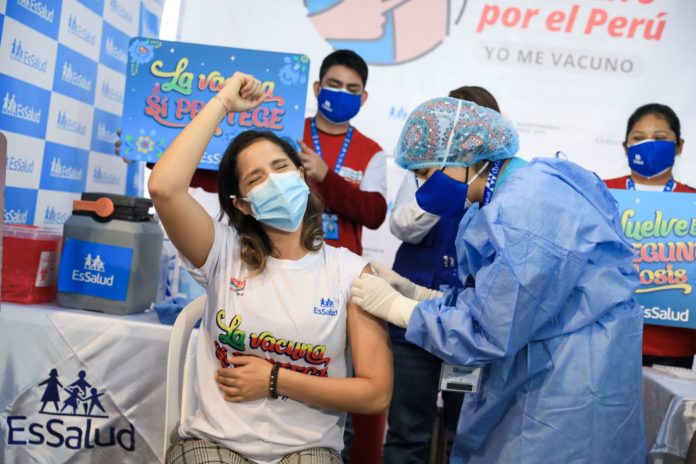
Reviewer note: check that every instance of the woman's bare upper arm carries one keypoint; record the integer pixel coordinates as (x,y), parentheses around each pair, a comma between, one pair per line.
(188,226)
(369,343)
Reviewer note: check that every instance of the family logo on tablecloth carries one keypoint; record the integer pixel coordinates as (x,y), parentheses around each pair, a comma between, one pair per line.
(78,418)
(79,393)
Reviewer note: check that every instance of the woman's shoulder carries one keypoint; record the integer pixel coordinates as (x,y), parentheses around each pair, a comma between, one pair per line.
(344,259)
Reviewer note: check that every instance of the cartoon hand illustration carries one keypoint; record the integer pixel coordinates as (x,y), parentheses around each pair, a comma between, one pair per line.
(354,19)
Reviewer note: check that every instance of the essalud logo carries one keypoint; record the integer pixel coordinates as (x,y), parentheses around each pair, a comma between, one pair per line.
(116,52)
(70,417)
(17,110)
(326,307)
(93,272)
(79,31)
(20,54)
(51,216)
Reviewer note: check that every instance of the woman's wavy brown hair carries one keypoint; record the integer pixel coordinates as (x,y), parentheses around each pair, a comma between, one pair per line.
(256,247)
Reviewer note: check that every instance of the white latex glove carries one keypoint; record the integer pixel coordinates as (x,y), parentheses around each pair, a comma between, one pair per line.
(377,297)
(403,285)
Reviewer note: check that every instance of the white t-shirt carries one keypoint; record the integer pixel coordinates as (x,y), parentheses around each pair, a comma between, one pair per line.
(293,313)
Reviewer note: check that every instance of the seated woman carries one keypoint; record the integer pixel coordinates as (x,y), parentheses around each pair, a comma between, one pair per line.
(272,359)
(653,141)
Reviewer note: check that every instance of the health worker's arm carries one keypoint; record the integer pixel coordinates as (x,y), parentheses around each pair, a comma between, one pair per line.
(187,224)
(409,222)
(526,286)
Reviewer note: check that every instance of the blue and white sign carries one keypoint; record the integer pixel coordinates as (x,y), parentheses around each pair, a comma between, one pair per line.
(80,29)
(27,55)
(64,168)
(149,23)
(662,228)
(69,122)
(19,205)
(95,269)
(123,14)
(24,107)
(114,48)
(53,208)
(107,173)
(168,83)
(104,131)
(75,75)
(97,6)
(24,161)
(110,91)
(43,16)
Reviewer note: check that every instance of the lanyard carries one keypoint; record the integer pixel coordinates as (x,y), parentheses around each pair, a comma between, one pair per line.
(491,181)
(669,186)
(344,148)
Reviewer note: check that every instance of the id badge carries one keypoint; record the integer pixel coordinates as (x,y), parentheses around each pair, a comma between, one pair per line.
(462,379)
(330,225)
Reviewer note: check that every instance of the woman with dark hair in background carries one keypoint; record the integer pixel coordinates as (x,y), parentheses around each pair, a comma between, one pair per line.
(653,141)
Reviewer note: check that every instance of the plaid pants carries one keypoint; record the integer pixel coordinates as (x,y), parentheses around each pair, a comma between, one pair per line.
(205,452)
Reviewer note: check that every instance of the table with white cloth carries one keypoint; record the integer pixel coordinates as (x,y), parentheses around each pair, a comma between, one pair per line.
(670,415)
(80,386)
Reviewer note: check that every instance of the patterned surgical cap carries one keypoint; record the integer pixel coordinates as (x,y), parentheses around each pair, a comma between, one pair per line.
(451,132)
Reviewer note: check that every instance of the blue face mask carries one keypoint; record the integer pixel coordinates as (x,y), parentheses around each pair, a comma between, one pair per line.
(443,196)
(280,201)
(338,105)
(651,158)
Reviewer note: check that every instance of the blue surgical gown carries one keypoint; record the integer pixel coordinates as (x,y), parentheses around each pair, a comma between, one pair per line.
(550,317)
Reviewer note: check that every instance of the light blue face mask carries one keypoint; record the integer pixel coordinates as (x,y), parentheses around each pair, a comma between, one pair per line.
(280,201)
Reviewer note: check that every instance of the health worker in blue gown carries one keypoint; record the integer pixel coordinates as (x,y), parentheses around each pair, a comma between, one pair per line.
(544,302)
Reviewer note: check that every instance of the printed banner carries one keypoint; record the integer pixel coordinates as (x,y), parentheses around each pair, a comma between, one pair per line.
(62,85)
(662,229)
(168,83)
(567,73)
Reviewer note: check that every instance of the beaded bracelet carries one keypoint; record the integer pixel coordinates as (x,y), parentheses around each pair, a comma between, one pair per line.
(273,383)
(222,102)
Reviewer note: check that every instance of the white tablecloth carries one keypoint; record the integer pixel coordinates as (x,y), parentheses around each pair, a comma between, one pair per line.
(80,386)
(670,415)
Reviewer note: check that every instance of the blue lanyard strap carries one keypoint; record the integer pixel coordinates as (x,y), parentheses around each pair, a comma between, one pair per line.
(344,148)
(491,181)
(669,186)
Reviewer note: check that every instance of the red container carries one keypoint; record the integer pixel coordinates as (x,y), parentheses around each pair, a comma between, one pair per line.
(29,264)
